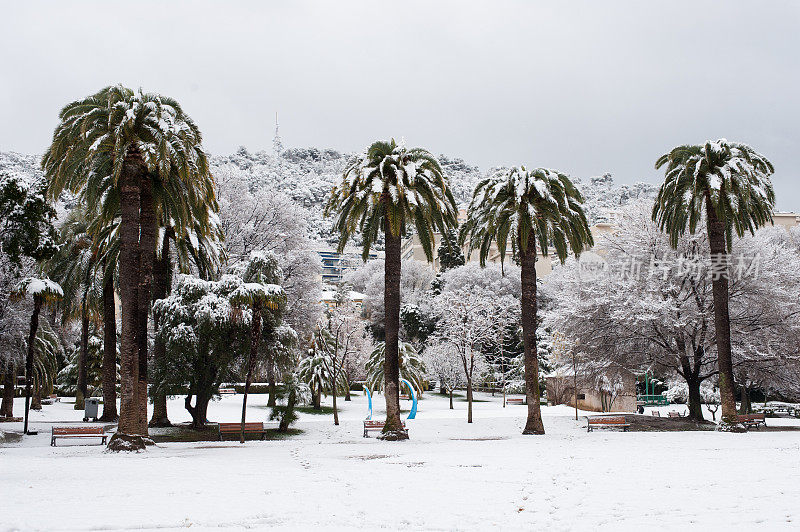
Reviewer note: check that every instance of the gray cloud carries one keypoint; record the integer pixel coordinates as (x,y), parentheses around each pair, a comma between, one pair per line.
(586,87)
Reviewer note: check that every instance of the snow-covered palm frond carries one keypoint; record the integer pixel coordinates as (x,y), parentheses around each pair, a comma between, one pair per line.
(527,207)
(412,368)
(38,287)
(95,133)
(390,188)
(729,177)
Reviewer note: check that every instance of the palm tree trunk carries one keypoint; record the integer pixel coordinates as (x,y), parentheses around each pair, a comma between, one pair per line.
(9,380)
(36,395)
(255,342)
(722,320)
(291,400)
(393,427)
(272,400)
(80,396)
(316,398)
(162,279)
(147,254)
(109,350)
(133,168)
(534,424)
(37,307)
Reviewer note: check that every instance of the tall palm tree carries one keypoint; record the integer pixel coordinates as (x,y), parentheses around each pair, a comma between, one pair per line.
(388,190)
(729,183)
(107,148)
(527,207)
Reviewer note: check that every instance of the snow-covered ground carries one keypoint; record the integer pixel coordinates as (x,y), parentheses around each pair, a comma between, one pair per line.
(450,475)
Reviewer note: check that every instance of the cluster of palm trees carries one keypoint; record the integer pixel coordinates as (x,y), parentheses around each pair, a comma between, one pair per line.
(136,164)
(391,189)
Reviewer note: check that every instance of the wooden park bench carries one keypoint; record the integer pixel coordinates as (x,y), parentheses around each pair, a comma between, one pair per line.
(515,401)
(404,397)
(373,424)
(674,414)
(78,432)
(618,422)
(227,391)
(235,429)
(752,420)
(655,413)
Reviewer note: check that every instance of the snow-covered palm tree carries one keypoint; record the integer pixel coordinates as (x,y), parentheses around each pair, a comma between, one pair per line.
(412,368)
(266,300)
(728,182)
(390,189)
(118,149)
(42,291)
(528,208)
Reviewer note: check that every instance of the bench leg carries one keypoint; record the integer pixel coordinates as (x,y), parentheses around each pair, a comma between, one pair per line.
(52,442)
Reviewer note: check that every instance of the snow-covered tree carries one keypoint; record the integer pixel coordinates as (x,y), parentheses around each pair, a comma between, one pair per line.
(265,219)
(318,369)
(468,321)
(342,336)
(727,185)
(443,364)
(204,339)
(651,307)
(41,291)
(415,281)
(529,208)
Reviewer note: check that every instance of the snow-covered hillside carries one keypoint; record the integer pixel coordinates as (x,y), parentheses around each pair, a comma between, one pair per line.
(308,174)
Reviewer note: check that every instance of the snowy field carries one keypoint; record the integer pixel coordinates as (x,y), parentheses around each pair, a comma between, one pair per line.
(449,476)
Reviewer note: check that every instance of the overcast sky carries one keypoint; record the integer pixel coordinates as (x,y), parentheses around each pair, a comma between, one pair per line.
(584,87)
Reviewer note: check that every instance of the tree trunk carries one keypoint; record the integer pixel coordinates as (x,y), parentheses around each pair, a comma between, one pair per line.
(746,407)
(534,424)
(695,402)
(36,395)
(692,377)
(335,411)
(722,321)
(109,350)
(272,390)
(132,170)
(147,255)
(393,427)
(37,307)
(162,281)
(451,398)
(316,399)
(199,411)
(9,380)
(83,359)
(291,400)
(255,342)
(469,400)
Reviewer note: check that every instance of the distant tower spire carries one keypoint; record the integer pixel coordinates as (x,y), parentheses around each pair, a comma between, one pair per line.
(277,143)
